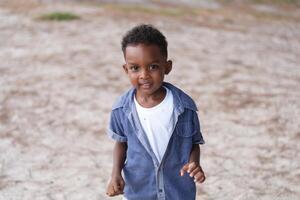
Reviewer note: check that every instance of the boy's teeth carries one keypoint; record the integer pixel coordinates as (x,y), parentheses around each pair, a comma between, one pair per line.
(146,85)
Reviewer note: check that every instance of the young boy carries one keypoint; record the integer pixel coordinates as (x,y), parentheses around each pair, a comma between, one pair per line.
(155,126)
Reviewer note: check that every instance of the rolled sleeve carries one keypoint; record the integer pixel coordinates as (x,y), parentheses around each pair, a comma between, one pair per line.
(197,137)
(115,128)
(116,136)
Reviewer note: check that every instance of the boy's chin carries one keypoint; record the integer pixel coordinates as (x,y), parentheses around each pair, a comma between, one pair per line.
(148,91)
(144,91)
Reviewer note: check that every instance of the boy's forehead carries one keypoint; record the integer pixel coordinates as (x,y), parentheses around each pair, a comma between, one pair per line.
(143,51)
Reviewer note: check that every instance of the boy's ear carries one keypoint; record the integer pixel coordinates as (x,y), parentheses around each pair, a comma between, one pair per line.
(125,68)
(168,67)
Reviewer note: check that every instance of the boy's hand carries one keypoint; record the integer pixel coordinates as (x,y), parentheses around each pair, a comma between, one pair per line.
(194,170)
(115,186)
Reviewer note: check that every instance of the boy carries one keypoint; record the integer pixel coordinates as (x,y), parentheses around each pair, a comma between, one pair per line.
(155,126)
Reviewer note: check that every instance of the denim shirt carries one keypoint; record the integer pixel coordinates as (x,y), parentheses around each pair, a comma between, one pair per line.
(146,178)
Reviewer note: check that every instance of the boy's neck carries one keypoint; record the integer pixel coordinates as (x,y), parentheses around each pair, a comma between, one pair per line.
(149,101)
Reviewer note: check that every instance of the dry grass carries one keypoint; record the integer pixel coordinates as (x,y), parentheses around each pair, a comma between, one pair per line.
(59,16)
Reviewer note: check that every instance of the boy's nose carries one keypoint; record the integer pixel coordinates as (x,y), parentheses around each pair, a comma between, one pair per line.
(144,74)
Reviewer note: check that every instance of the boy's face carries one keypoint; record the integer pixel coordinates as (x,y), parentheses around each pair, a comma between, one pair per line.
(146,67)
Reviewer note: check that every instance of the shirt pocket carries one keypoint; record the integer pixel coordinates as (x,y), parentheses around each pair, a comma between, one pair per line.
(183,142)
(185,129)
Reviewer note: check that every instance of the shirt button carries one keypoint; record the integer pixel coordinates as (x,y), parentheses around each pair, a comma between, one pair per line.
(160,190)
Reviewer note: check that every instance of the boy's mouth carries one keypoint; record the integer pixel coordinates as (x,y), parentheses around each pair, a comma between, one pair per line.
(145,85)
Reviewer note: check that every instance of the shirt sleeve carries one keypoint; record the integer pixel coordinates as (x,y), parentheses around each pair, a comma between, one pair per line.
(115,128)
(197,138)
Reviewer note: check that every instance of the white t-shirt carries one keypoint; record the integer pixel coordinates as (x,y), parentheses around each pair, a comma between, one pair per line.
(158,123)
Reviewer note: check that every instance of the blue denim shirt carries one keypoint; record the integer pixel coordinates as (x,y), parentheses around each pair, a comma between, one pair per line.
(146,178)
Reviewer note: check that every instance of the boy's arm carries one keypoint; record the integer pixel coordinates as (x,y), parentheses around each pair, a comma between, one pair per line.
(116,184)
(119,157)
(195,154)
(193,166)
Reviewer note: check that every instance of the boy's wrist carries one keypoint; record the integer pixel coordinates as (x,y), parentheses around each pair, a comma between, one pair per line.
(194,159)
(116,174)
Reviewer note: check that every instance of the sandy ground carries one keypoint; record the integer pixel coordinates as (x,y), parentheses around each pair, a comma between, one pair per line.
(58,81)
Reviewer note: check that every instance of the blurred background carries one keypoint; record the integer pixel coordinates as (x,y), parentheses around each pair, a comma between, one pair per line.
(60,72)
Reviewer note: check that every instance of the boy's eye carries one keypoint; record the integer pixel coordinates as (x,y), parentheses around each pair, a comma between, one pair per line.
(134,68)
(153,67)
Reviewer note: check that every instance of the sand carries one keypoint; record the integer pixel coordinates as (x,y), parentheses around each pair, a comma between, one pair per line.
(58,81)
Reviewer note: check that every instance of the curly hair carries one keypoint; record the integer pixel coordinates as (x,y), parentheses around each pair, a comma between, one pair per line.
(145,34)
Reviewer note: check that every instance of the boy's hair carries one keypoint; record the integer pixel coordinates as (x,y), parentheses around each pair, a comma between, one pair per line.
(145,34)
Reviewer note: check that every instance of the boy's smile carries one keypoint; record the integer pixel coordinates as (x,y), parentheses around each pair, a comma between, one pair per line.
(146,67)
